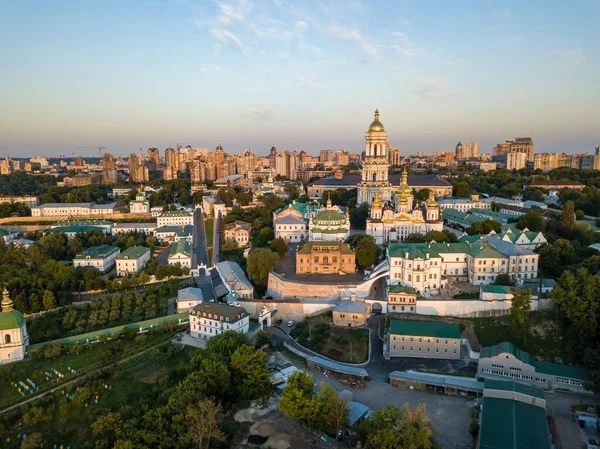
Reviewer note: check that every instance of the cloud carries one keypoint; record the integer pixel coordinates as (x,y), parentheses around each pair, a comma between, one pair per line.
(430,87)
(227,38)
(404,46)
(368,50)
(301,26)
(566,58)
(261,115)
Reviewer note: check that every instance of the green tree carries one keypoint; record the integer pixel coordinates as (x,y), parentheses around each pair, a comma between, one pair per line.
(579,214)
(33,441)
(422,194)
(296,398)
(519,312)
(503,279)
(204,429)
(555,257)
(250,376)
(106,426)
(575,295)
(532,220)
(336,410)
(49,300)
(260,263)
(366,250)
(279,246)
(358,216)
(568,217)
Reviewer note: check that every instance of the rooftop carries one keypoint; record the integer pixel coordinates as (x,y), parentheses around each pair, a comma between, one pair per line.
(181,247)
(135,252)
(97,252)
(349,306)
(517,387)
(190,294)
(176,213)
(415,181)
(397,288)
(232,272)
(220,310)
(311,247)
(435,329)
(75,229)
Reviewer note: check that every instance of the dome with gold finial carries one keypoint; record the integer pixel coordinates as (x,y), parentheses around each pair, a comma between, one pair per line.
(376,125)
(377,202)
(404,189)
(9,318)
(431,203)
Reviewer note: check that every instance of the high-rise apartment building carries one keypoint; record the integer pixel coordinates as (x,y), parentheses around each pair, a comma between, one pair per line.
(109,169)
(393,156)
(171,165)
(6,166)
(342,157)
(78,161)
(245,161)
(138,169)
(459,151)
(326,156)
(471,150)
(292,164)
(516,160)
(502,148)
(523,145)
(153,159)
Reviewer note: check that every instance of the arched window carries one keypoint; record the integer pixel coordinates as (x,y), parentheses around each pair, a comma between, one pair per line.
(375,148)
(7,339)
(374,177)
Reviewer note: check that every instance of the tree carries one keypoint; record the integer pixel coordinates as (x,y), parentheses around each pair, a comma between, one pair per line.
(519,312)
(229,245)
(366,250)
(422,194)
(575,295)
(49,300)
(555,257)
(495,207)
(279,246)
(106,426)
(296,398)
(129,332)
(204,428)
(503,279)
(474,429)
(336,411)
(532,220)
(260,263)
(33,441)
(568,216)
(579,214)
(250,376)
(358,216)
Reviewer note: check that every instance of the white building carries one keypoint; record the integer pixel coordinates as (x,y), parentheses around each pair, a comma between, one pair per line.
(72,209)
(464,204)
(427,267)
(144,228)
(329,224)
(209,319)
(27,200)
(175,217)
(13,332)
(103,225)
(132,260)
(181,254)
(423,339)
(174,233)
(239,232)
(188,298)
(156,211)
(100,257)
(291,223)
(515,161)
(140,206)
(235,280)
(391,224)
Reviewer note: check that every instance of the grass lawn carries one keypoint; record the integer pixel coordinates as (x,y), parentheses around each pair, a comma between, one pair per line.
(337,343)
(543,336)
(209,229)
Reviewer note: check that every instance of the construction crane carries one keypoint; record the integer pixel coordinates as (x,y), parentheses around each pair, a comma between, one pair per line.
(99,148)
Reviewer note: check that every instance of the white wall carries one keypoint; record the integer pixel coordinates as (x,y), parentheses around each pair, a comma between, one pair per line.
(466,307)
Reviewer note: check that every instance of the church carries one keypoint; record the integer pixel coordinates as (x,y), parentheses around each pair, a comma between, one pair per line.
(13,332)
(393,214)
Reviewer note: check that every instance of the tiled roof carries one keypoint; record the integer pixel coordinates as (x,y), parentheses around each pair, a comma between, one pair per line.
(97,252)
(436,329)
(342,247)
(135,252)
(215,309)
(350,306)
(181,247)
(401,289)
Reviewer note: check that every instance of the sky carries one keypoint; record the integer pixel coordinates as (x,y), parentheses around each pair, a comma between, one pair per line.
(304,75)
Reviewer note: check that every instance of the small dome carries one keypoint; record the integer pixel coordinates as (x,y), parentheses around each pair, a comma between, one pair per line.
(376,125)
(10,318)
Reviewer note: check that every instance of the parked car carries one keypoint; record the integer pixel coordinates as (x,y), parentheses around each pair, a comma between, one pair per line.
(278,322)
(291,323)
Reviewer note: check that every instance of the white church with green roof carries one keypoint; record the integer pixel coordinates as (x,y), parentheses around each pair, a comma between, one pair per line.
(13,332)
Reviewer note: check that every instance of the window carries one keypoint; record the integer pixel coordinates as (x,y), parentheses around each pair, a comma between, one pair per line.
(7,339)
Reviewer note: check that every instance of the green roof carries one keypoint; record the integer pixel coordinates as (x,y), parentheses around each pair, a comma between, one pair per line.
(401,289)
(504,289)
(556,369)
(517,387)
(4,232)
(182,246)
(435,329)
(75,229)
(329,215)
(133,253)
(329,231)
(509,348)
(342,247)
(509,424)
(420,250)
(485,251)
(83,223)
(97,252)
(11,320)
(176,213)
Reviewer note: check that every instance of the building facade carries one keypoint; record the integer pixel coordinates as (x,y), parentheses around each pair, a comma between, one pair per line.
(181,254)
(351,312)
(175,217)
(14,338)
(423,339)
(132,260)
(329,224)
(239,232)
(103,258)
(325,258)
(506,361)
(401,299)
(209,319)
(72,209)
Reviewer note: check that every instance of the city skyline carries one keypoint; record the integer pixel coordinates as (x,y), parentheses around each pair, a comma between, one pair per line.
(256,74)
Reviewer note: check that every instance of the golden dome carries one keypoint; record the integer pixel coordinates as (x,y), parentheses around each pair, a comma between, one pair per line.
(376,125)
(431,202)
(377,202)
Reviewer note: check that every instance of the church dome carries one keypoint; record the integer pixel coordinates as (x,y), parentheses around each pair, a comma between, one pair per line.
(10,318)
(376,125)
(329,215)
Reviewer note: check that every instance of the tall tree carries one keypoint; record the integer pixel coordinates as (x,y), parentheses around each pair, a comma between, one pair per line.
(260,262)
(532,220)
(204,428)
(568,216)
(519,312)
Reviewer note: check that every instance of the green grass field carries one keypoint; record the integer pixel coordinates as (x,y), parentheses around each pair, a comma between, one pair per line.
(342,344)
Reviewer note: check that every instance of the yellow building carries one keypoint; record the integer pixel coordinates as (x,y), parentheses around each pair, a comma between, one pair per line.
(325,258)
(351,313)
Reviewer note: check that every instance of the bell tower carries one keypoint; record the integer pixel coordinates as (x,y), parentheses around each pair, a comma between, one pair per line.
(375,165)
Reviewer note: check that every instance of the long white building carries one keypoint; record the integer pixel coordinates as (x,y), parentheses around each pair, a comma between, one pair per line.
(209,319)
(427,267)
(72,209)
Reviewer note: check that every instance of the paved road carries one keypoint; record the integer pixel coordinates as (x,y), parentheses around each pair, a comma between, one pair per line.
(199,253)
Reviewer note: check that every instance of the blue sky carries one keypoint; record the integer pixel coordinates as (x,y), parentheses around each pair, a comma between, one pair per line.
(297,74)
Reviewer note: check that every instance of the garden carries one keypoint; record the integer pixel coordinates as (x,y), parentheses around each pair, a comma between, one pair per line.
(342,344)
